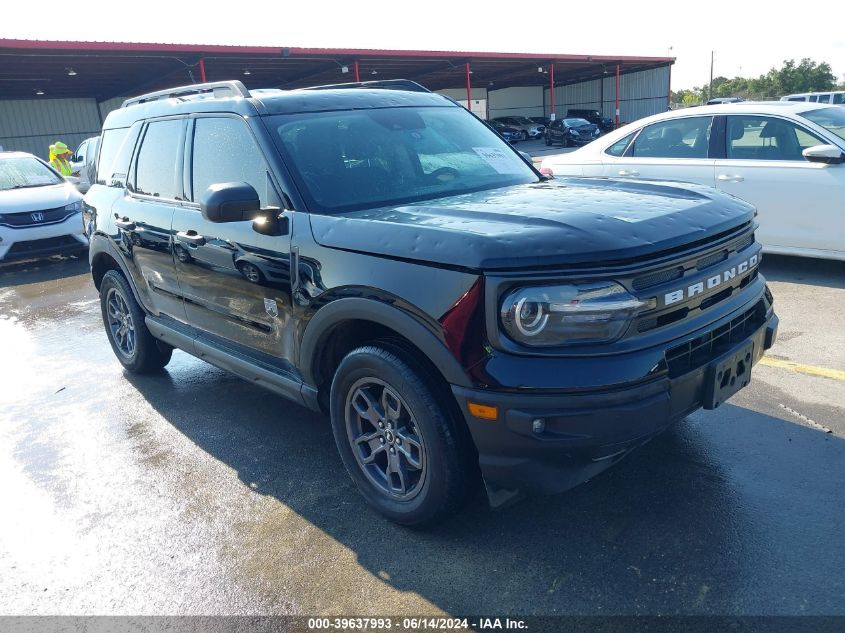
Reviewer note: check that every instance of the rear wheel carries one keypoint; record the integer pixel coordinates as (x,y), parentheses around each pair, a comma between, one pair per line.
(251,272)
(136,349)
(410,456)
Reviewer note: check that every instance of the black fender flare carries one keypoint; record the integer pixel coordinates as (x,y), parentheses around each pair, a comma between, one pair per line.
(101,245)
(403,323)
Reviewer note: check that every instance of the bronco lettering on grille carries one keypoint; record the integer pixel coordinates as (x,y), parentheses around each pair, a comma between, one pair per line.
(711,282)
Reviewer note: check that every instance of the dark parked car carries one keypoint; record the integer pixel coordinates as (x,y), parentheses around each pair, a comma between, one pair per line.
(593,116)
(510,134)
(458,315)
(571,132)
(527,128)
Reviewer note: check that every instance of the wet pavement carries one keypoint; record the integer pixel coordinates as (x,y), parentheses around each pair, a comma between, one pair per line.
(194,492)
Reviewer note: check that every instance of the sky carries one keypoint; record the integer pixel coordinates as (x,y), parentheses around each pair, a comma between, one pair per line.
(748,37)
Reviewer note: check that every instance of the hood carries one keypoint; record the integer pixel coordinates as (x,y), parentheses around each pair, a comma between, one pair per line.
(38,198)
(554,223)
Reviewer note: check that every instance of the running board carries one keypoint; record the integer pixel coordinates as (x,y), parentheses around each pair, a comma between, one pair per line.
(187,341)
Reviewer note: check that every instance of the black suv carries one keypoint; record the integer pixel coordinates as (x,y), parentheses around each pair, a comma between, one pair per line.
(593,116)
(377,253)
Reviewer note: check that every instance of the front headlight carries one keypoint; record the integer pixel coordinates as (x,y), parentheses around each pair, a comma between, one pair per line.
(561,315)
(74,206)
(573,132)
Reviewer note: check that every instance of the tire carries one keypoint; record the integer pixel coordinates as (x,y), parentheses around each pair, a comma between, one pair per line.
(422,464)
(251,272)
(523,135)
(136,349)
(564,142)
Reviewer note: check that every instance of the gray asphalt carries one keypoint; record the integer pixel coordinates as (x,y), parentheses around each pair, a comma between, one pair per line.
(193,492)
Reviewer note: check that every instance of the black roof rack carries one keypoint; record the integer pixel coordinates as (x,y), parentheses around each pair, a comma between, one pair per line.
(385,84)
(217,88)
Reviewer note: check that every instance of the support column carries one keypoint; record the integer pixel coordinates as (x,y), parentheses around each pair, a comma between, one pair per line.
(357,72)
(617,97)
(552,93)
(469,90)
(202,71)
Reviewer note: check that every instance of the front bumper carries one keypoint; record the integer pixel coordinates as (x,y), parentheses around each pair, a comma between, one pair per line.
(45,239)
(583,433)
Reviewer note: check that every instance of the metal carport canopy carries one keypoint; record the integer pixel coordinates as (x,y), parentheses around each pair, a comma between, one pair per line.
(104,70)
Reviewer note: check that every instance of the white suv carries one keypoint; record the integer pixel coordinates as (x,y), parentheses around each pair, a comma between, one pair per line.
(40,211)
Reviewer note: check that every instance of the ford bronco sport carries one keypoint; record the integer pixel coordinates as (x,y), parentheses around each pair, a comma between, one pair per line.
(377,253)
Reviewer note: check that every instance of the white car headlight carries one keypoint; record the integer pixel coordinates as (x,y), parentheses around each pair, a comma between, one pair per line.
(74,206)
(560,315)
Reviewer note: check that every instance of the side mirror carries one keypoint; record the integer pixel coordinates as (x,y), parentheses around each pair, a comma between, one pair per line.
(230,202)
(828,154)
(271,223)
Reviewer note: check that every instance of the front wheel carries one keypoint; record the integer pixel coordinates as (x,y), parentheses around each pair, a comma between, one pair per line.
(136,349)
(408,454)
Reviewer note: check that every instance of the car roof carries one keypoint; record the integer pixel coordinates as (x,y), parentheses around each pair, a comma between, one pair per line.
(266,101)
(15,154)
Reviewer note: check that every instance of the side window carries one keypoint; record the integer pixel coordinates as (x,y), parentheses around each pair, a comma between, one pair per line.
(814,98)
(839,97)
(80,151)
(156,165)
(112,140)
(767,138)
(796,99)
(224,151)
(618,148)
(687,137)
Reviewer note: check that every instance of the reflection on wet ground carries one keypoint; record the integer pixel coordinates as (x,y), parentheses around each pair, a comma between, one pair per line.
(195,492)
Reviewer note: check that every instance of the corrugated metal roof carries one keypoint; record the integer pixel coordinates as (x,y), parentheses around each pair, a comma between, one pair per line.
(104,70)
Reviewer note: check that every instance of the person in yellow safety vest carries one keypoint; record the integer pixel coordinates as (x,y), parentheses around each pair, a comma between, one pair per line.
(59,158)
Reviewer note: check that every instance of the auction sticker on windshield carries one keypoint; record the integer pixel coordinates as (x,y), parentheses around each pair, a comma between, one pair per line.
(498,160)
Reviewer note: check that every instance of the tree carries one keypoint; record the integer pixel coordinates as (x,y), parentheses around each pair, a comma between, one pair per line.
(805,76)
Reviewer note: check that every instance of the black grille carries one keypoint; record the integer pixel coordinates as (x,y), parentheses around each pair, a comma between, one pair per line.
(46,246)
(744,243)
(655,279)
(24,219)
(710,260)
(701,350)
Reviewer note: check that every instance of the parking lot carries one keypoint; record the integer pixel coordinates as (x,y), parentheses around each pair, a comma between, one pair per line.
(195,492)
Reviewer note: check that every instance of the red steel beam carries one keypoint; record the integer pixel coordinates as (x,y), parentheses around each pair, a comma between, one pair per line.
(357,72)
(202,70)
(469,90)
(552,81)
(617,97)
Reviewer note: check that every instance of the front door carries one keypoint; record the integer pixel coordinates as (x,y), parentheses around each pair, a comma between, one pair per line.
(795,198)
(235,281)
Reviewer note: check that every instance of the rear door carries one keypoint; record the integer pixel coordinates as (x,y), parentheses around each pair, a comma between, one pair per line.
(797,201)
(673,149)
(143,215)
(235,281)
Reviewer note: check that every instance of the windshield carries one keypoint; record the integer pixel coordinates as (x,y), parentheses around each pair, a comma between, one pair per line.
(576,122)
(23,172)
(360,159)
(831,119)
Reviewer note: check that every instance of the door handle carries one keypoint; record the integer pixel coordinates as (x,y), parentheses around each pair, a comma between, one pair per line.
(190,237)
(730,178)
(626,172)
(126,224)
